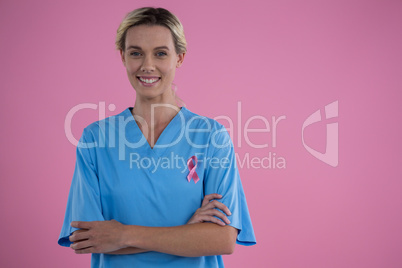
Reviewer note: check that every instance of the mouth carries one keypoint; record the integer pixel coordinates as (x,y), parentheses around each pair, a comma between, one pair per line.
(148,81)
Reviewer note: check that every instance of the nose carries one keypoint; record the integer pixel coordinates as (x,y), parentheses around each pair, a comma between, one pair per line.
(147,64)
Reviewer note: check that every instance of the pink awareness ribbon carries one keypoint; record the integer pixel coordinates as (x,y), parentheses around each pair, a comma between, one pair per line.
(191,167)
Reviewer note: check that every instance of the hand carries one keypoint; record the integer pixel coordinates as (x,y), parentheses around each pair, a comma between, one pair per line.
(97,236)
(207,211)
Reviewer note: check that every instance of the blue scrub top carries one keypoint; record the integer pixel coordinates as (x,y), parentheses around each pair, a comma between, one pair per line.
(119,176)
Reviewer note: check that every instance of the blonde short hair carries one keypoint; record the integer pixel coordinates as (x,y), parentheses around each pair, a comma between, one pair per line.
(152,16)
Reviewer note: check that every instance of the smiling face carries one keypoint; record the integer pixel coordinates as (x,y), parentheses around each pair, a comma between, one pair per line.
(151,61)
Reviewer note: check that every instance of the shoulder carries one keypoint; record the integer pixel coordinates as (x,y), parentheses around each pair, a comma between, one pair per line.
(206,128)
(101,127)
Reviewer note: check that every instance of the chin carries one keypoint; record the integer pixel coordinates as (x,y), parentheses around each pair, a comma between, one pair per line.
(149,94)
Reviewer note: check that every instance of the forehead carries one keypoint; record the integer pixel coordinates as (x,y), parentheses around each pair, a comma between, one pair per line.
(146,36)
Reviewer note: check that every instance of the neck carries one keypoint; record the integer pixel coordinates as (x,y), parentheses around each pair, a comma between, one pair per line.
(155,112)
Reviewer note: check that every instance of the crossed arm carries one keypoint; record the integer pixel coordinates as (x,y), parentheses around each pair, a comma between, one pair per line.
(196,238)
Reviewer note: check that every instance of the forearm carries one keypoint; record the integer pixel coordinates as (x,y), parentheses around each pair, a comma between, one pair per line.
(191,240)
(129,250)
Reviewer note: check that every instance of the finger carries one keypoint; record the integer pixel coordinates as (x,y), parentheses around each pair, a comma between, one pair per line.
(217,213)
(78,236)
(217,204)
(212,219)
(76,232)
(81,224)
(81,245)
(84,251)
(209,197)
(80,231)
(76,240)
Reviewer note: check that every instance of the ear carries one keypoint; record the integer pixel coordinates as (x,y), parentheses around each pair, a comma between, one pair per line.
(180,59)
(122,57)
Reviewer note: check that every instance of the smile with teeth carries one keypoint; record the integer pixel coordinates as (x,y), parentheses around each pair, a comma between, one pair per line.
(149,81)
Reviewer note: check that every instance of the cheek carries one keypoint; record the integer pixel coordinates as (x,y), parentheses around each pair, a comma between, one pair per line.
(169,66)
(130,73)
(131,68)
(170,69)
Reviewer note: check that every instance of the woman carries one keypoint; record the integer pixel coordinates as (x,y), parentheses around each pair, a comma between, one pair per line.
(146,182)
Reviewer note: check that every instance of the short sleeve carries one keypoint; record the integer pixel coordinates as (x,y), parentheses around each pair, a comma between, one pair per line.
(83,202)
(222,177)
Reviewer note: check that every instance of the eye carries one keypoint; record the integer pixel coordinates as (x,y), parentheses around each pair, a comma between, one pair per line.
(134,53)
(160,54)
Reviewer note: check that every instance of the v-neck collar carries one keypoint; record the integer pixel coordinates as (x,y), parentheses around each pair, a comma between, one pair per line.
(167,138)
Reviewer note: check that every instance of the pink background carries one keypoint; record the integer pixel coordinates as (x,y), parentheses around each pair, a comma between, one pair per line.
(277,58)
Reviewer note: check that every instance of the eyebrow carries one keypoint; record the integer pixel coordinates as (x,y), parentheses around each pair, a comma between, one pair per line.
(137,47)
